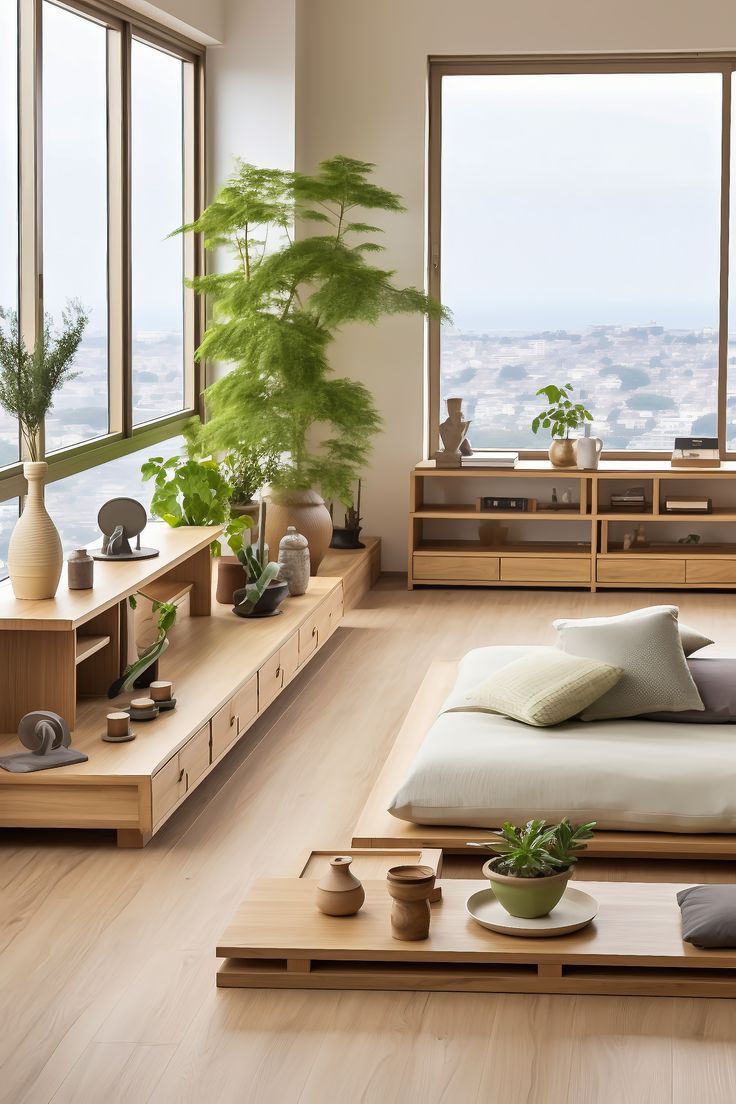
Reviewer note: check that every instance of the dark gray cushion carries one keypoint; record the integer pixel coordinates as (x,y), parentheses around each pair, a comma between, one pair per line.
(708,915)
(716,682)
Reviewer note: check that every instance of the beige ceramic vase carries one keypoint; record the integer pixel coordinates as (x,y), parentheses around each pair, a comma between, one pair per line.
(339,893)
(562,453)
(35,557)
(306,511)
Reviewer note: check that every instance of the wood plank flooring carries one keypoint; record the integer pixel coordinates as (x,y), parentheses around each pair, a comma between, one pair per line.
(107,968)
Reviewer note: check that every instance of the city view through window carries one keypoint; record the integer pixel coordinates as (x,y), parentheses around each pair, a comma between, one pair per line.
(580,244)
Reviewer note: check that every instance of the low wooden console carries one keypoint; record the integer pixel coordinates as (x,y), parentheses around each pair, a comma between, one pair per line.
(226,671)
(575,543)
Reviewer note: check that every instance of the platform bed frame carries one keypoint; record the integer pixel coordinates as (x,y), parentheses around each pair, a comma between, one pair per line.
(377,828)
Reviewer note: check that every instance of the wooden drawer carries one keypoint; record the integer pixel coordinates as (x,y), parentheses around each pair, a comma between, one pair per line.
(270,681)
(640,569)
(290,658)
(710,571)
(441,567)
(334,612)
(234,718)
(180,774)
(545,569)
(308,638)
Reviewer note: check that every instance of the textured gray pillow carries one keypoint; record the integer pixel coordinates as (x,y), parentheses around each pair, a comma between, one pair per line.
(716,682)
(708,915)
(646,644)
(692,640)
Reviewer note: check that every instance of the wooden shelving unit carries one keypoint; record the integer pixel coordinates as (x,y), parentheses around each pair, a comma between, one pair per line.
(578,545)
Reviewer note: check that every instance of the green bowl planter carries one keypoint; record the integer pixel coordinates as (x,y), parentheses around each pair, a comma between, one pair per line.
(527,897)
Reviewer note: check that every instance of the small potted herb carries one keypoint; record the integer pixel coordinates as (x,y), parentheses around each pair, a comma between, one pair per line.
(348,535)
(533,864)
(248,470)
(559,417)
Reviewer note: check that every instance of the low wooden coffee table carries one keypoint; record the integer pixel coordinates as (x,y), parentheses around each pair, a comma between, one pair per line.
(278,939)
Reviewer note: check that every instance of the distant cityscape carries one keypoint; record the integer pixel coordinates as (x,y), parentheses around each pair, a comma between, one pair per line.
(644,384)
(80,414)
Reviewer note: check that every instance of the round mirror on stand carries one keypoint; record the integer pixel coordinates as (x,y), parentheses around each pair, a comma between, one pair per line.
(121,520)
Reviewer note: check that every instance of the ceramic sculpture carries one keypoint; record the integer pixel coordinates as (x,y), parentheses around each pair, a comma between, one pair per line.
(294,561)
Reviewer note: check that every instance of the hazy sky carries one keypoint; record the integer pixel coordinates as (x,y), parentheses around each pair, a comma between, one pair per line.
(575,199)
(75,171)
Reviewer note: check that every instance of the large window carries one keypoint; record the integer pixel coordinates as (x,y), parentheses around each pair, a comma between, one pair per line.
(100,160)
(578,236)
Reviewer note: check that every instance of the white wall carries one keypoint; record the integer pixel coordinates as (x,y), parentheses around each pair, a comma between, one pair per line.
(361,91)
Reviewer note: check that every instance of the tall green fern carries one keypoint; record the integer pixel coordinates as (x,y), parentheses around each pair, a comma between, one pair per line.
(275,314)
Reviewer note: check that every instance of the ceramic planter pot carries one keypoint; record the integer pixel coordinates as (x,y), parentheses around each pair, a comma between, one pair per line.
(562,453)
(346,538)
(306,511)
(267,605)
(230,577)
(527,897)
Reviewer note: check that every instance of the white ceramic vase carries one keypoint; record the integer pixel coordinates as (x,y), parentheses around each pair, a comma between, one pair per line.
(588,451)
(35,556)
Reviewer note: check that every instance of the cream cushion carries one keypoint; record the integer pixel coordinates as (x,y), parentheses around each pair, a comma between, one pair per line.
(479,769)
(646,645)
(692,640)
(544,688)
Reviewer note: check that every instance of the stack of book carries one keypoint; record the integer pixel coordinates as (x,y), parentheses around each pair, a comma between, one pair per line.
(491,460)
(631,501)
(688,506)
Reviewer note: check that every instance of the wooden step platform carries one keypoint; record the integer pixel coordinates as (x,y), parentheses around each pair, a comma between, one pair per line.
(278,939)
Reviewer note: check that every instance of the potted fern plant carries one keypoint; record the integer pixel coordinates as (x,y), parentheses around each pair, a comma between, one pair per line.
(274,316)
(533,864)
(29,379)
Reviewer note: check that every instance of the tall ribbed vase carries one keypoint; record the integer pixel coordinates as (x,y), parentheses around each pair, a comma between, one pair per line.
(35,557)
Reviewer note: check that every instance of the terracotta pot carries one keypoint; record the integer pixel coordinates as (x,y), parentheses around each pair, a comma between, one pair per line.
(306,511)
(249,509)
(35,557)
(562,453)
(339,892)
(527,897)
(230,577)
(410,888)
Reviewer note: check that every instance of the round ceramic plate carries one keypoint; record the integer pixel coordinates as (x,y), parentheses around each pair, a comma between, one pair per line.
(575,910)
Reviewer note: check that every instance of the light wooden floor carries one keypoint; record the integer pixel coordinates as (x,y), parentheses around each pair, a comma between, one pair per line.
(107,970)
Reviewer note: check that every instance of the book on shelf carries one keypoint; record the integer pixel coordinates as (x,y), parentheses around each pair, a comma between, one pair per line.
(489,503)
(490,460)
(688,506)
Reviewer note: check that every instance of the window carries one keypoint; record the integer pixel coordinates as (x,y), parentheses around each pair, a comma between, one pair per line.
(8,196)
(158,261)
(577,233)
(105,142)
(75,211)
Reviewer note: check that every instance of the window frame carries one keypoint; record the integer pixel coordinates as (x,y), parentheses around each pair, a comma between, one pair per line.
(122,27)
(439,67)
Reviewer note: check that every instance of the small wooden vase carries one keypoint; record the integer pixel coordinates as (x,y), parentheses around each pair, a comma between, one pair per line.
(34,557)
(339,893)
(411,888)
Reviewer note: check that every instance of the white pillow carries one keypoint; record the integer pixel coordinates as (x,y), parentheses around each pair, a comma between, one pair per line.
(646,645)
(544,688)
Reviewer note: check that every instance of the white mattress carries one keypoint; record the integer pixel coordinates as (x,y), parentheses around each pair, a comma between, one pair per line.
(478,769)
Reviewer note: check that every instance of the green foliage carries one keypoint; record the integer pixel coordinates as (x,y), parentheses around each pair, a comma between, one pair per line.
(194,492)
(258,576)
(562,415)
(248,470)
(276,313)
(538,850)
(29,380)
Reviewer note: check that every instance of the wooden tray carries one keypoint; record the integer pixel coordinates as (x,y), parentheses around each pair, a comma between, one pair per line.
(279,940)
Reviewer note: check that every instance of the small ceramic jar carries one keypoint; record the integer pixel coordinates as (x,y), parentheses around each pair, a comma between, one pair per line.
(339,892)
(80,570)
(294,561)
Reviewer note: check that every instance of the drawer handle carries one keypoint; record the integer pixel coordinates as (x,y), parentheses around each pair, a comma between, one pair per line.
(278,672)
(181,774)
(314,630)
(233,719)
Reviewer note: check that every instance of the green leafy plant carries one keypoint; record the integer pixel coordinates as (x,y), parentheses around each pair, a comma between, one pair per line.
(562,414)
(537,850)
(194,492)
(29,380)
(166,619)
(258,576)
(276,313)
(248,469)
